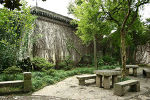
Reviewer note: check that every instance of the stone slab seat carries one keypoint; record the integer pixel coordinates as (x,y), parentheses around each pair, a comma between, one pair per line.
(119,88)
(146,72)
(11,83)
(85,77)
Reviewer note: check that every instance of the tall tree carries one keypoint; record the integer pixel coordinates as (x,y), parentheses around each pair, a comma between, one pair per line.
(91,24)
(123,13)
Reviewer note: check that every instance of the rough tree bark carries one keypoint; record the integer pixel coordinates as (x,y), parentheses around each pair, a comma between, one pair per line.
(95,53)
(123,54)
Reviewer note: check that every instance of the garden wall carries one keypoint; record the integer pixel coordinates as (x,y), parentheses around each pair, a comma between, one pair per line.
(58,39)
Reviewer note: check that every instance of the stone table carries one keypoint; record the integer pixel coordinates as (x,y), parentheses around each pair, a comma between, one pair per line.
(106,74)
(134,67)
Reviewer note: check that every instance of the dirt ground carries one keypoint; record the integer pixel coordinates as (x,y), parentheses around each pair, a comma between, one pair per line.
(70,89)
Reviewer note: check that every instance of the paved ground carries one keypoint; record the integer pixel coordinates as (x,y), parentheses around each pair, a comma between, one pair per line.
(69,88)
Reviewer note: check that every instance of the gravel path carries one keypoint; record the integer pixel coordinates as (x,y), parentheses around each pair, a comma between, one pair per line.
(69,88)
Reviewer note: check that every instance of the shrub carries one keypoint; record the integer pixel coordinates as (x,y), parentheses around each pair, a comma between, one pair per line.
(109,60)
(51,72)
(12,70)
(100,61)
(41,64)
(46,66)
(25,64)
(106,60)
(7,56)
(63,65)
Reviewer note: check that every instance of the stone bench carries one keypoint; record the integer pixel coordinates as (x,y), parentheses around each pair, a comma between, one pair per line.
(11,83)
(146,72)
(119,88)
(85,77)
(26,83)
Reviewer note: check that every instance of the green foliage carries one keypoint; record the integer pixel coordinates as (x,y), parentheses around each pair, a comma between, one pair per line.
(16,26)
(124,79)
(67,64)
(7,55)
(108,67)
(25,64)
(63,65)
(85,60)
(100,62)
(109,60)
(41,64)
(89,20)
(50,72)
(12,70)
(41,79)
(10,77)
(12,5)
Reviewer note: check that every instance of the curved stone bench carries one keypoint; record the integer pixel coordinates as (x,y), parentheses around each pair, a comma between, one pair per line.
(85,77)
(119,88)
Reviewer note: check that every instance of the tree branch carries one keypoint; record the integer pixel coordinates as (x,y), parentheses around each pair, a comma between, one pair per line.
(127,15)
(110,16)
(136,12)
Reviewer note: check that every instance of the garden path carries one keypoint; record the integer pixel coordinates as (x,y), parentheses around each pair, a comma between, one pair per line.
(69,88)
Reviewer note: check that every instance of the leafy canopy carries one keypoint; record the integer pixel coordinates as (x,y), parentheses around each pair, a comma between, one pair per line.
(89,19)
(12,4)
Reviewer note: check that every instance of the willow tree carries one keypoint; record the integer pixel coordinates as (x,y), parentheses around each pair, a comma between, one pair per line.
(90,22)
(123,13)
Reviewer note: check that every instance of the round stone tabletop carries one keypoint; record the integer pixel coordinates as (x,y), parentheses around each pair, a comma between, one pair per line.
(107,72)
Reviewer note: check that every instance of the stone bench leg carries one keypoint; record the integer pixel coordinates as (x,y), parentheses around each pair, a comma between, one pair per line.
(114,79)
(148,74)
(106,82)
(119,90)
(27,82)
(127,71)
(134,71)
(81,82)
(99,81)
(135,88)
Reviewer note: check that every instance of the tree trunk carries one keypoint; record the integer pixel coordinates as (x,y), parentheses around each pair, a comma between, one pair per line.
(134,56)
(123,54)
(95,54)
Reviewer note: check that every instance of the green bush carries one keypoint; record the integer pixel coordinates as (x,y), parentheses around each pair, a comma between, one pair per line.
(100,61)
(10,77)
(106,60)
(67,64)
(63,65)
(7,56)
(49,80)
(41,64)
(25,64)
(51,72)
(12,70)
